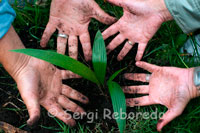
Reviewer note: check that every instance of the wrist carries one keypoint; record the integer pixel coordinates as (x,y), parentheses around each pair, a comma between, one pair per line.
(12,62)
(162,10)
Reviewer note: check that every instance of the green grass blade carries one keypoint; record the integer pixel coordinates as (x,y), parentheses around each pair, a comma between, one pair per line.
(119,104)
(99,57)
(115,74)
(62,61)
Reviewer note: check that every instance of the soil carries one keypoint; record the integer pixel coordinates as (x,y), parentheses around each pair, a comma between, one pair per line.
(9,97)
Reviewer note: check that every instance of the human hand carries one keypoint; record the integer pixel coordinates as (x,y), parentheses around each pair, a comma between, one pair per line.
(72,17)
(169,86)
(40,83)
(141,20)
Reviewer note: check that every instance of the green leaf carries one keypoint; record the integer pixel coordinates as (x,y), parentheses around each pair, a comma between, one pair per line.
(99,57)
(62,61)
(115,74)
(119,104)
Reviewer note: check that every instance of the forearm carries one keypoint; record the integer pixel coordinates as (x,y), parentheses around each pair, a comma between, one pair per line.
(11,61)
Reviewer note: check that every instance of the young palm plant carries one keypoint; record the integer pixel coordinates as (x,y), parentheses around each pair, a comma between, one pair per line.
(99,60)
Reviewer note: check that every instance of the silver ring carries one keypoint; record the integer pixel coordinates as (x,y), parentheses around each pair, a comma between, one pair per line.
(148,77)
(63,35)
(129,42)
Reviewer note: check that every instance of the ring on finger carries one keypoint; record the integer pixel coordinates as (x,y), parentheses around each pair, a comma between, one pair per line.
(63,35)
(131,43)
(148,77)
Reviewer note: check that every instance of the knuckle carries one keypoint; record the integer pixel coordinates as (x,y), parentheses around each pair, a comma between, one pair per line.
(127,47)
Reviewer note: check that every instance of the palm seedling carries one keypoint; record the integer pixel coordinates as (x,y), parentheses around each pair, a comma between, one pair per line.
(99,60)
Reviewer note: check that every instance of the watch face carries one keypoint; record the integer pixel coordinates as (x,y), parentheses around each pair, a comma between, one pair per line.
(198,87)
(197,76)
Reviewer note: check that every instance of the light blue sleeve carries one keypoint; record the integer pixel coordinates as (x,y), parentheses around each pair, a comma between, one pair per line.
(7,16)
(186,13)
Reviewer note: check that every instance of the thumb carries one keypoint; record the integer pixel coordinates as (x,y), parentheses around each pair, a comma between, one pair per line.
(29,92)
(49,30)
(167,117)
(103,17)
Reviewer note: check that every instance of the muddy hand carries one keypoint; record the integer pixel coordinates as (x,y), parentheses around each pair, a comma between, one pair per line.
(40,83)
(71,18)
(141,20)
(168,86)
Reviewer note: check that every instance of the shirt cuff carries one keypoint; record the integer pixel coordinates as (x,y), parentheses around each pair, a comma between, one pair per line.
(7,16)
(186,13)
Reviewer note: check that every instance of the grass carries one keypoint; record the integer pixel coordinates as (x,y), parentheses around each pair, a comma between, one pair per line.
(162,50)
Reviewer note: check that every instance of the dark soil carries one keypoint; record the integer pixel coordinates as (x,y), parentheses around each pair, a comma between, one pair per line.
(98,100)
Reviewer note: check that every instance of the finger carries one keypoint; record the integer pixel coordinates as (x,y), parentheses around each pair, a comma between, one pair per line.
(103,17)
(69,75)
(140,52)
(115,42)
(61,44)
(110,31)
(142,89)
(73,47)
(56,110)
(86,45)
(166,118)
(136,77)
(149,67)
(73,94)
(50,29)
(141,101)
(69,105)
(127,47)
(30,96)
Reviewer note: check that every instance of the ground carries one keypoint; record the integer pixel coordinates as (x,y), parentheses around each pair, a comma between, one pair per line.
(162,50)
